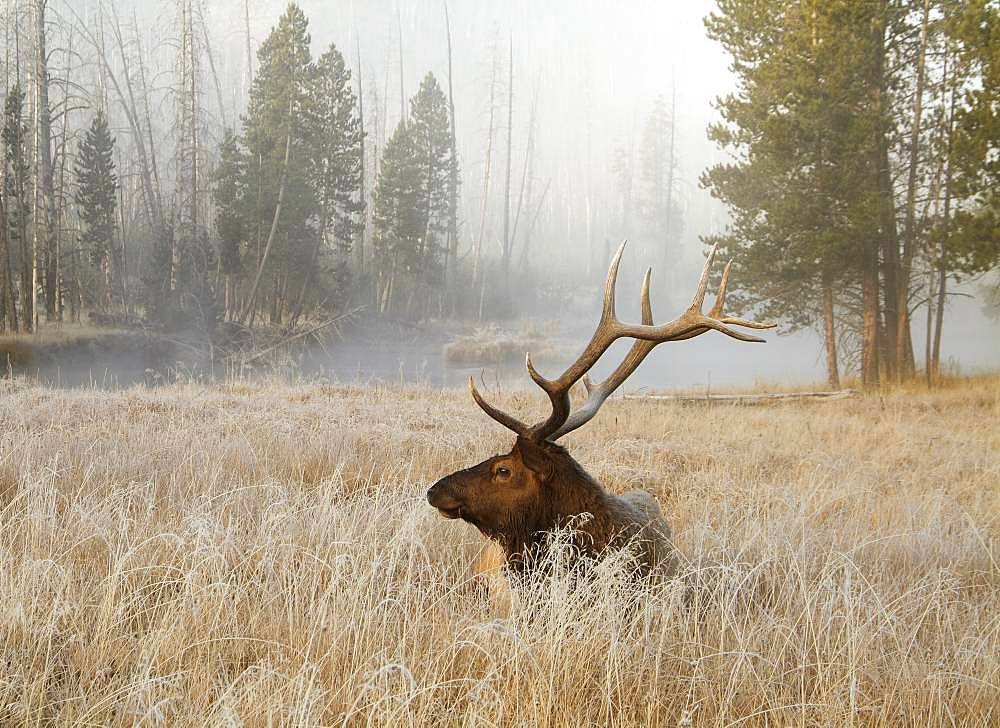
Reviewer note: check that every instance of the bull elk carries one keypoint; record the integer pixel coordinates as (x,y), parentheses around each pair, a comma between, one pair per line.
(520,498)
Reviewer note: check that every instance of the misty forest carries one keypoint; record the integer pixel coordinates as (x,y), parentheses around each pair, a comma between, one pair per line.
(213,175)
(253,251)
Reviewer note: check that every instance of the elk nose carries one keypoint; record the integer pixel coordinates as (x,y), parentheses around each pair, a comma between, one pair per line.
(439,497)
(434,493)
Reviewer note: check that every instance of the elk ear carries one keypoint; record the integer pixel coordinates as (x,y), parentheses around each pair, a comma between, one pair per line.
(535,457)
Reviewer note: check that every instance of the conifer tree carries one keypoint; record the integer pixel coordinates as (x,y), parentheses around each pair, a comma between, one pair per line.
(335,162)
(276,122)
(801,187)
(398,217)
(229,194)
(411,208)
(430,131)
(96,189)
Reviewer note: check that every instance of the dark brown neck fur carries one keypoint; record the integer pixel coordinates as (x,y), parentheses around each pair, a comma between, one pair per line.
(568,492)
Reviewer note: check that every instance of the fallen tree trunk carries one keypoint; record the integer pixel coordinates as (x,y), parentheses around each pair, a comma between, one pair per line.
(749,398)
(302,334)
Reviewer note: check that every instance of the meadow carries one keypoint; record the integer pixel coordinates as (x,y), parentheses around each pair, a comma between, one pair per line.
(262,554)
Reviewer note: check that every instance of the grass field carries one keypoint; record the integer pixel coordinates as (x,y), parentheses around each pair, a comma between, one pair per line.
(263,555)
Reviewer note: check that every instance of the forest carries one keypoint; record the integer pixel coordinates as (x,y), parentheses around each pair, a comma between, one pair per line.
(145,183)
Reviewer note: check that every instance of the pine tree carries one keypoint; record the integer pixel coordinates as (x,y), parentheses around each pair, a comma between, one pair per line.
(335,174)
(399,218)
(276,122)
(974,246)
(801,188)
(411,214)
(96,189)
(335,165)
(430,132)
(230,196)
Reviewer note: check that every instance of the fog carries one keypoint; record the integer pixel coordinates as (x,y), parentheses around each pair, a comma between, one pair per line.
(594,70)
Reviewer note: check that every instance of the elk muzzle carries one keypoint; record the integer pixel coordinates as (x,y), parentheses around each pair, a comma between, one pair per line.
(440,496)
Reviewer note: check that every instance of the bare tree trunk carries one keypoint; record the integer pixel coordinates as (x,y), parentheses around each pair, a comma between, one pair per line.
(830,337)
(452,245)
(525,175)
(246,22)
(506,188)
(487,169)
(942,272)
(211,66)
(8,306)
(402,92)
(44,188)
(671,161)
(904,347)
(870,315)
(359,248)
(522,263)
(886,205)
(59,162)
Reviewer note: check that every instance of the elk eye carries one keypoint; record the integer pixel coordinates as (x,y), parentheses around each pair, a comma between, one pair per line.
(503,472)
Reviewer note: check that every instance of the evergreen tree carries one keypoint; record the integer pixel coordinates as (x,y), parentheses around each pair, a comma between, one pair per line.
(230,197)
(398,217)
(411,207)
(16,175)
(430,131)
(801,187)
(974,245)
(335,165)
(96,189)
(277,119)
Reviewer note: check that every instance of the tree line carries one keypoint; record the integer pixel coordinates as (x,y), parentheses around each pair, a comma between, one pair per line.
(298,205)
(864,139)
(272,221)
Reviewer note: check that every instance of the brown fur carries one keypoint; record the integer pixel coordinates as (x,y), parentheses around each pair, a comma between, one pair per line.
(519,498)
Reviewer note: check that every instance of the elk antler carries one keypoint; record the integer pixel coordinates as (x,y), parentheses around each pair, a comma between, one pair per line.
(689,324)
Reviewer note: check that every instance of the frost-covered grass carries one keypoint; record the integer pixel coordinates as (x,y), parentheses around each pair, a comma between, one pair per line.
(493,345)
(263,555)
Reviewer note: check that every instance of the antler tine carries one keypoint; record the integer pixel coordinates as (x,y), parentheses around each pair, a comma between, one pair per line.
(647,309)
(720,296)
(558,389)
(511,423)
(609,328)
(597,393)
(689,324)
(699,294)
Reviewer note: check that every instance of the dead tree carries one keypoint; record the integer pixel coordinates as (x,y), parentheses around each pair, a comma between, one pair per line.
(44,191)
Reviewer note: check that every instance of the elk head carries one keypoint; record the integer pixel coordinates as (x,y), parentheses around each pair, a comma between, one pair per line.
(537,487)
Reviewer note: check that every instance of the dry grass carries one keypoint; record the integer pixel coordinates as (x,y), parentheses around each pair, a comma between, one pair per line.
(263,555)
(494,345)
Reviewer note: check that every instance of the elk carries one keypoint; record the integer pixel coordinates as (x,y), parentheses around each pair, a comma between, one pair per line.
(518,499)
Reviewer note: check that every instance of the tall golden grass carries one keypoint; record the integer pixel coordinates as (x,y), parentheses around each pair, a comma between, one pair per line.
(263,555)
